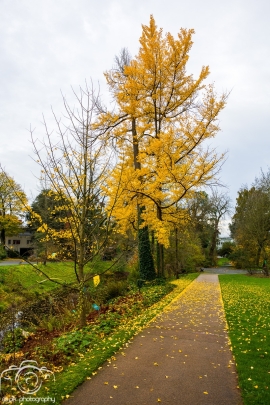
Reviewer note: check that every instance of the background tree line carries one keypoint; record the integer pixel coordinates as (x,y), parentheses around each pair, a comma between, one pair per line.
(250,226)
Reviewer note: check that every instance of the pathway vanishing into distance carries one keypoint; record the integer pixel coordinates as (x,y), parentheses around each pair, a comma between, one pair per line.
(181,358)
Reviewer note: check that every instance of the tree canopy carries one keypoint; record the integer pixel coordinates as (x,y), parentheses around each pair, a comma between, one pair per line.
(12,206)
(162,119)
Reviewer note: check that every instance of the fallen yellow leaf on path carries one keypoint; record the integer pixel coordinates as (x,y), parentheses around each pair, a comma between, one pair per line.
(205,392)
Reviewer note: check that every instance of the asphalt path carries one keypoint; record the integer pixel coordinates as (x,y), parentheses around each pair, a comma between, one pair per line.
(13,262)
(182,358)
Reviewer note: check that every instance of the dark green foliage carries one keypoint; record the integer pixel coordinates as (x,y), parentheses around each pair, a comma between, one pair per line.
(115,289)
(226,249)
(140,283)
(146,262)
(3,253)
(12,341)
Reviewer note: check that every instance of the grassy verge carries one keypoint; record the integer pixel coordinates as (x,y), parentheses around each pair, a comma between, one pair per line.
(223,261)
(103,344)
(25,280)
(28,277)
(247,307)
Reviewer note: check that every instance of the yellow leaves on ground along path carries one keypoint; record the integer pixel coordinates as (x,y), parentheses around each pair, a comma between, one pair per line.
(164,116)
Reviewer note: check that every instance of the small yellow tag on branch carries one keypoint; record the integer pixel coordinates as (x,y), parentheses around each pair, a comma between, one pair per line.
(96,280)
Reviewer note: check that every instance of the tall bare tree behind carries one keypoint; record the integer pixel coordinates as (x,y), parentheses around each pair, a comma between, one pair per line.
(76,163)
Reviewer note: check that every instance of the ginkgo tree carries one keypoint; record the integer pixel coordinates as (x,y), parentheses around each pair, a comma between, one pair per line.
(162,119)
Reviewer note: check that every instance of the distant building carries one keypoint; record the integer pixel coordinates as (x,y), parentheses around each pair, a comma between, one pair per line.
(21,243)
(222,240)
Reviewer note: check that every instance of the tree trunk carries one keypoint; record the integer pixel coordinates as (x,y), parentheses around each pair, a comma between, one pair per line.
(160,250)
(82,305)
(258,255)
(146,262)
(3,237)
(176,251)
(213,246)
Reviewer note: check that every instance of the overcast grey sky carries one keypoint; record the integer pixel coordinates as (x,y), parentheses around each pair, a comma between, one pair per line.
(49,45)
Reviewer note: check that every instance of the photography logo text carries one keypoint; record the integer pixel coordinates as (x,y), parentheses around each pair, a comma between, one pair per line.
(27,378)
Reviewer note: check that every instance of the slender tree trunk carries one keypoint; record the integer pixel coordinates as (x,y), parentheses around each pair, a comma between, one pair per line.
(153,243)
(213,246)
(258,255)
(3,237)
(160,250)
(176,250)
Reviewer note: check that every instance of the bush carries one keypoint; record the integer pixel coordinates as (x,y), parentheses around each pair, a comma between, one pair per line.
(13,340)
(115,289)
(13,254)
(226,249)
(3,253)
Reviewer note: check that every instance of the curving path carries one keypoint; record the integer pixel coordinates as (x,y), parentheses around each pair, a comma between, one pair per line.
(182,357)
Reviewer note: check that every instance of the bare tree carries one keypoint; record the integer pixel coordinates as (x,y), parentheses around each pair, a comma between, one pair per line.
(220,205)
(76,163)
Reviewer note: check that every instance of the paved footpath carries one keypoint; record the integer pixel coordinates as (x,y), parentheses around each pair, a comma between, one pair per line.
(181,358)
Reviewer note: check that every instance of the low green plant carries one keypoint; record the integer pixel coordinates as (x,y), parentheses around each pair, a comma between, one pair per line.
(223,261)
(13,340)
(3,253)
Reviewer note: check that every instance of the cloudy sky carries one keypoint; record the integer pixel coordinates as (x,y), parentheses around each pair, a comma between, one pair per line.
(46,46)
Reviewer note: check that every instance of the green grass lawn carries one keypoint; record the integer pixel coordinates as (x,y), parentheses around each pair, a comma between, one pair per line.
(28,280)
(247,306)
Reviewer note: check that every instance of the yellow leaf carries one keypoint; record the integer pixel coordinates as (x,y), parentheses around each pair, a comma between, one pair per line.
(106,383)
(205,392)
(96,280)
(115,387)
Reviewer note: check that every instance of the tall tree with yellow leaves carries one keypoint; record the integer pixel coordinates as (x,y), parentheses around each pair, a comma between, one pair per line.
(163,118)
